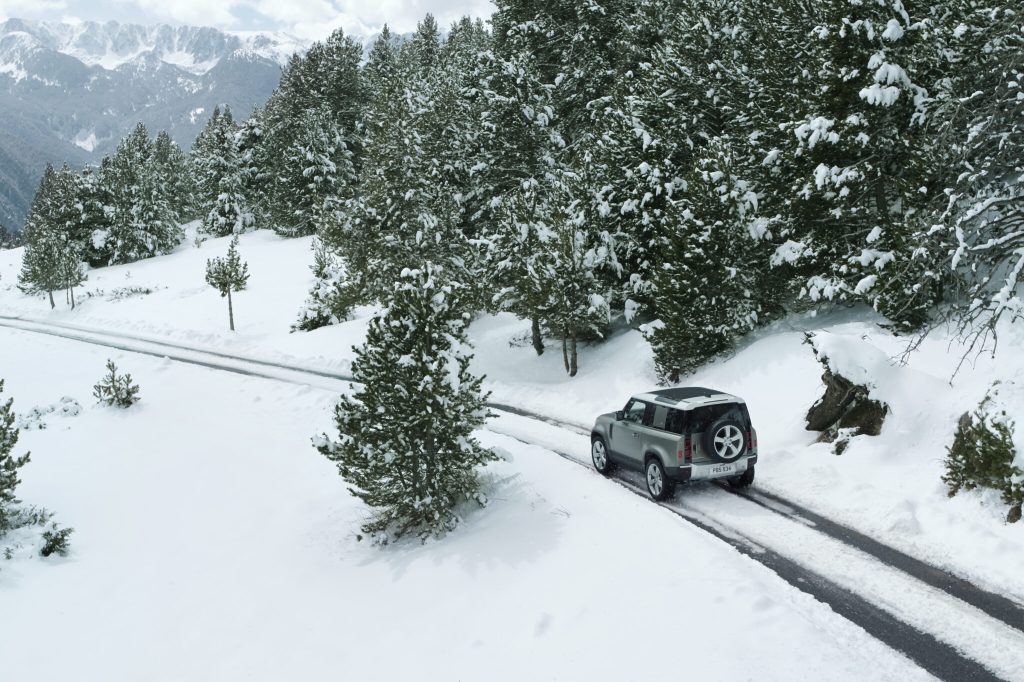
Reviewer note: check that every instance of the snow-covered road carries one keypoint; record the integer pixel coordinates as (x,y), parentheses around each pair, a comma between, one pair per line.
(947,627)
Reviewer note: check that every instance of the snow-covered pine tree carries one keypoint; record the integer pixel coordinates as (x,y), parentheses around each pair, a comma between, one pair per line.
(8,238)
(230,213)
(215,143)
(92,199)
(979,234)
(9,463)
(52,259)
(854,161)
(403,202)
(517,167)
(405,443)
(317,175)
(228,274)
(574,254)
(708,287)
(172,174)
(326,303)
(142,219)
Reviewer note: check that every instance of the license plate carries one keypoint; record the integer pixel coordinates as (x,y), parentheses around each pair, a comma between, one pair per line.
(723,469)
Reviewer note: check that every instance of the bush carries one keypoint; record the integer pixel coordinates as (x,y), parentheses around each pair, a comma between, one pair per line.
(982,455)
(55,541)
(9,465)
(115,389)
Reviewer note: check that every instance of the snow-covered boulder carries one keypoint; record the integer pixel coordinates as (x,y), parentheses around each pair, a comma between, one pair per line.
(849,406)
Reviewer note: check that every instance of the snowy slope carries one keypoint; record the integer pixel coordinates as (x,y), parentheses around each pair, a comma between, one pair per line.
(213,543)
(888,487)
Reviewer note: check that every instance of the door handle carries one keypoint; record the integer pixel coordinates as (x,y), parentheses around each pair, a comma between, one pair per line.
(636,435)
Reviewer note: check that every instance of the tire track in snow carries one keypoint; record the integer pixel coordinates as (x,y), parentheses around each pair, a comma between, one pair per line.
(938,658)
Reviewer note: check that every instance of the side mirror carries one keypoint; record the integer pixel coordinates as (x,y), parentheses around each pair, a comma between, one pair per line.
(620,415)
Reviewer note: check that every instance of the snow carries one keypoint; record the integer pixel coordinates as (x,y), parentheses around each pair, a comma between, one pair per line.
(86,139)
(212,542)
(179,510)
(15,71)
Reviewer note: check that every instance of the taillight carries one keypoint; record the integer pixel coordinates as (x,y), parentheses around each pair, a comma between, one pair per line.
(685,451)
(752,440)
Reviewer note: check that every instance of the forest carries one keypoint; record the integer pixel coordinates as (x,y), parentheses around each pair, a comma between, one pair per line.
(697,168)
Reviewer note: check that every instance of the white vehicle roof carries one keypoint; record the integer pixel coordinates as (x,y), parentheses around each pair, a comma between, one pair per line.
(687,398)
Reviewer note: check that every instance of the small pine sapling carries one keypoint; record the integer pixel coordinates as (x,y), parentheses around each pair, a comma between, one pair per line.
(116,389)
(9,464)
(55,541)
(983,455)
(228,274)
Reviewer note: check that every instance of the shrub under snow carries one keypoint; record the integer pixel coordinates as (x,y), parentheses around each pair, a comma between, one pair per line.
(983,454)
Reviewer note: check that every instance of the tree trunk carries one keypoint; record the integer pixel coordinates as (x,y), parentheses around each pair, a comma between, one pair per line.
(573,365)
(565,352)
(72,292)
(538,341)
(231,312)
(52,304)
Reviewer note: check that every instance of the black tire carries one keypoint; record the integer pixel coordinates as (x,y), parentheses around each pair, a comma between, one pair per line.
(659,486)
(743,480)
(725,441)
(597,443)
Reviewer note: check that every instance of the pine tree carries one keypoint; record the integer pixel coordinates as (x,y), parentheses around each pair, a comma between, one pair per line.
(978,236)
(406,445)
(326,303)
(171,171)
(518,164)
(708,289)
(143,222)
(228,274)
(213,155)
(222,178)
(9,463)
(9,239)
(52,259)
(317,176)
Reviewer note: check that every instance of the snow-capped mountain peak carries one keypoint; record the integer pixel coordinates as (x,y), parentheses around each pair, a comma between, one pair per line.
(110,45)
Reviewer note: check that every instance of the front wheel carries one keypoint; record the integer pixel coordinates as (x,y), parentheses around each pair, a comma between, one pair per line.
(599,454)
(658,484)
(743,480)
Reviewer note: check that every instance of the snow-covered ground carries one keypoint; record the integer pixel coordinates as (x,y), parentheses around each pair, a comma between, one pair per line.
(212,542)
(888,486)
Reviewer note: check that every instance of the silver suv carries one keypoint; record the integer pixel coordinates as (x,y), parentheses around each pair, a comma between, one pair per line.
(678,435)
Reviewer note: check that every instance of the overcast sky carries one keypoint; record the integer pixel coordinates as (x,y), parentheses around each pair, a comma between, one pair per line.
(311,19)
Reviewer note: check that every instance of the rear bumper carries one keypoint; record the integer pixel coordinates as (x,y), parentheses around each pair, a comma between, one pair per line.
(710,471)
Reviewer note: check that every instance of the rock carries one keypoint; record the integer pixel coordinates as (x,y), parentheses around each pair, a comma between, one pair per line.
(865,415)
(831,406)
(1014,514)
(845,410)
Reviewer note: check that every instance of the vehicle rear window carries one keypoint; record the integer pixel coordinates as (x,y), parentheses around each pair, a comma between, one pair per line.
(703,417)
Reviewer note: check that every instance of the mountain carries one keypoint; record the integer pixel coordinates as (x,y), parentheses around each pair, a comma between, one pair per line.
(69,92)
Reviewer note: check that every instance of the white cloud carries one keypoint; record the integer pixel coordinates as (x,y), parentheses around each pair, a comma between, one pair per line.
(309,19)
(31,9)
(194,12)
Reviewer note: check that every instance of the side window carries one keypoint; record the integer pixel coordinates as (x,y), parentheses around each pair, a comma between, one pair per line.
(659,417)
(634,411)
(675,421)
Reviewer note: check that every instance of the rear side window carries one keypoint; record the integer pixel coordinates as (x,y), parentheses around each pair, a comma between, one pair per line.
(659,417)
(703,417)
(675,421)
